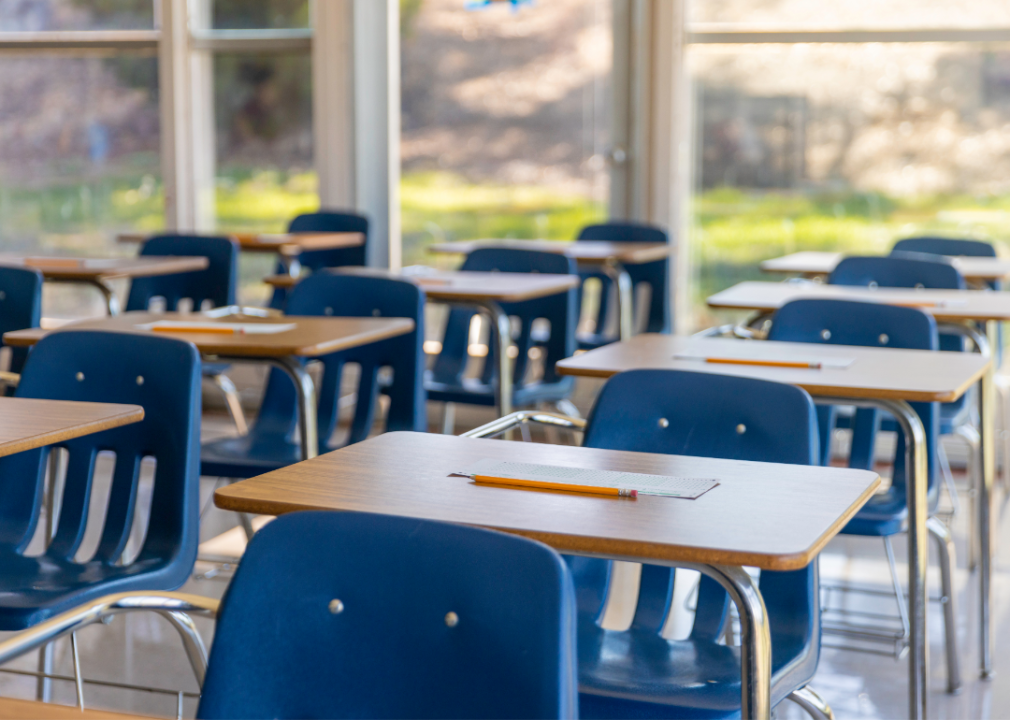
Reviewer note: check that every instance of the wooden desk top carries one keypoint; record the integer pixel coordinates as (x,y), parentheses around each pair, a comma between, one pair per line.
(312,336)
(457,286)
(287,244)
(946,305)
(26,424)
(876,373)
(776,517)
(68,268)
(822,263)
(11,709)
(586,251)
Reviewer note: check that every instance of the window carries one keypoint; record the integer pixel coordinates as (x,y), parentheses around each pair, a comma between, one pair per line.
(845,145)
(505,120)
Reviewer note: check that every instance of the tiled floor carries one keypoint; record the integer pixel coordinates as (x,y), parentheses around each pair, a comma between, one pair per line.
(144,649)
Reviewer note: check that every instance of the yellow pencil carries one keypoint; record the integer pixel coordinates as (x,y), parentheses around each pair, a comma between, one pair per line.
(765,363)
(543,485)
(223,330)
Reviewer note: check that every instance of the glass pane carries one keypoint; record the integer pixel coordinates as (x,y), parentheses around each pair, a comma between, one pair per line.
(852,14)
(79,157)
(36,15)
(844,147)
(245,15)
(505,120)
(265,175)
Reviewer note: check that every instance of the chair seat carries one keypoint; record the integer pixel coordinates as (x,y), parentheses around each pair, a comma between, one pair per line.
(475,392)
(34,589)
(247,456)
(637,673)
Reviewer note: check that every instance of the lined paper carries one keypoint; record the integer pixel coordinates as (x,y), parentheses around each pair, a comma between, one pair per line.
(664,485)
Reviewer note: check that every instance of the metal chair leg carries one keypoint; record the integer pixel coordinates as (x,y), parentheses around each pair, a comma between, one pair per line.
(232,401)
(44,685)
(567,407)
(945,545)
(812,703)
(449,418)
(247,525)
(78,680)
(948,478)
(974,441)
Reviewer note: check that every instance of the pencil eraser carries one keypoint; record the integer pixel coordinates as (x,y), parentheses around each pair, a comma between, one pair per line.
(634,493)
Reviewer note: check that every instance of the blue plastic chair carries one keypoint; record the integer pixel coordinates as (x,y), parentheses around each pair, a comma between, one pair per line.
(20,306)
(447,383)
(270,443)
(215,285)
(655,274)
(162,375)
(313,260)
(841,322)
(353,615)
(638,673)
(945,246)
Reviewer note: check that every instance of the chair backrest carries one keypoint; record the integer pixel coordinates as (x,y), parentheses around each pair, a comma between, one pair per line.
(656,274)
(898,272)
(328,221)
(560,310)
(945,246)
(216,284)
(866,324)
(160,374)
(720,416)
(353,615)
(20,306)
(347,295)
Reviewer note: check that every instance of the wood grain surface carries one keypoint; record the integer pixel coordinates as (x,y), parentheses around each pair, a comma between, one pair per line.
(62,268)
(289,244)
(11,709)
(585,251)
(822,263)
(953,305)
(876,373)
(457,286)
(26,424)
(312,336)
(776,517)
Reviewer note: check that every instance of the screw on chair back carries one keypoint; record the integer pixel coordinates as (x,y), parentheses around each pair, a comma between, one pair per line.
(866,324)
(559,311)
(160,374)
(20,306)
(393,367)
(313,260)
(354,615)
(708,415)
(655,274)
(216,284)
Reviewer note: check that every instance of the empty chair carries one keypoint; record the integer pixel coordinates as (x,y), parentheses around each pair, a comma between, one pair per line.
(447,381)
(945,246)
(216,285)
(20,307)
(638,673)
(347,615)
(654,274)
(394,367)
(313,260)
(841,322)
(160,374)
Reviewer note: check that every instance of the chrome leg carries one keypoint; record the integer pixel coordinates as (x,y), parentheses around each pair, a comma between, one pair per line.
(232,401)
(246,522)
(755,639)
(986,398)
(948,478)
(196,651)
(625,298)
(502,327)
(973,439)
(44,686)
(307,421)
(567,407)
(812,703)
(449,418)
(108,294)
(78,681)
(899,596)
(945,545)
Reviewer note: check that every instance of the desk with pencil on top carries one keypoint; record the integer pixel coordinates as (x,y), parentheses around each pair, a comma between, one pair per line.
(276,340)
(876,377)
(776,517)
(287,246)
(609,257)
(97,272)
(484,290)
